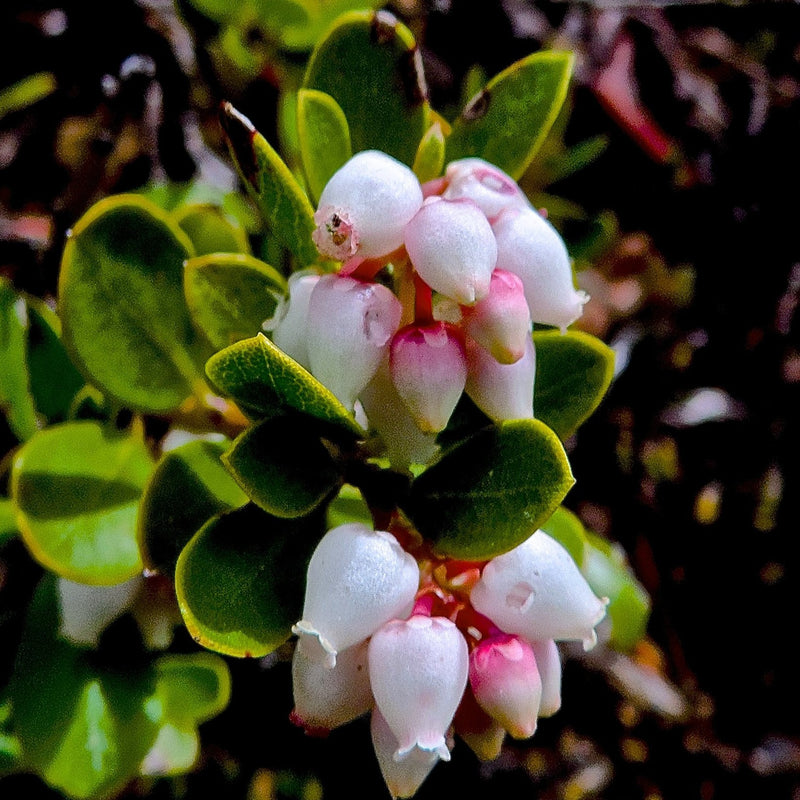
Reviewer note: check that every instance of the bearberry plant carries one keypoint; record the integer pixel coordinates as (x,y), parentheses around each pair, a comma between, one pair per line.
(356,449)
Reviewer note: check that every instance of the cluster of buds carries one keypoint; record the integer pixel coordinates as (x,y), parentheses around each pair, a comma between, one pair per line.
(434,647)
(438,289)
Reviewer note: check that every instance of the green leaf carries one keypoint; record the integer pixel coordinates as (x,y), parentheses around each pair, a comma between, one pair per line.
(16,400)
(188,486)
(573,372)
(210,230)
(568,530)
(608,573)
(284,468)
(76,487)
(508,120)
(348,506)
(230,295)
(369,63)
(240,581)
(122,307)
(26,92)
(10,753)
(489,493)
(429,160)
(324,137)
(279,197)
(8,522)
(263,380)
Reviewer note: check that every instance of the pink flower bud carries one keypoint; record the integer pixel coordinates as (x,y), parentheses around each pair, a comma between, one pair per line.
(326,698)
(418,670)
(548,661)
(506,683)
(501,391)
(289,333)
(429,369)
(403,776)
(357,580)
(537,591)
(482,733)
(350,326)
(530,247)
(451,245)
(365,206)
(501,322)
(483,183)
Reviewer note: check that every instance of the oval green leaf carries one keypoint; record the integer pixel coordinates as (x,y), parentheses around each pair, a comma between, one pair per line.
(369,63)
(324,137)
(284,468)
(282,202)
(8,521)
(573,372)
(188,486)
(193,687)
(569,532)
(508,120)
(230,295)
(429,160)
(263,380)
(121,300)
(492,491)
(210,230)
(240,581)
(76,487)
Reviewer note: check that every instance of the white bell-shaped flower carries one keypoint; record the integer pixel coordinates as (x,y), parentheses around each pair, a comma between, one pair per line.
(365,206)
(452,247)
(548,661)
(403,776)
(429,369)
(350,326)
(289,330)
(357,580)
(537,591)
(86,611)
(505,681)
(501,322)
(418,670)
(491,189)
(501,391)
(530,247)
(326,698)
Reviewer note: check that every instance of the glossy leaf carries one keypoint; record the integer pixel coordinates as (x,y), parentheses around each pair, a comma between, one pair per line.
(240,581)
(264,380)
(348,506)
(230,295)
(8,522)
(16,400)
(489,493)
(568,531)
(279,197)
(369,63)
(508,120)
(573,372)
(125,320)
(188,486)
(284,468)
(429,160)
(210,230)
(324,137)
(76,487)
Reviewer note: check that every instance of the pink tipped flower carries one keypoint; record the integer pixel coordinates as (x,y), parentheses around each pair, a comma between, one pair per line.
(537,591)
(548,661)
(350,326)
(501,322)
(483,183)
(365,206)
(501,391)
(289,333)
(429,369)
(452,247)
(326,698)
(403,776)
(357,580)
(418,671)
(530,247)
(506,683)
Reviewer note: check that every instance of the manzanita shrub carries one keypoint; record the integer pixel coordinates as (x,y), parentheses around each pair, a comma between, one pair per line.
(360,445)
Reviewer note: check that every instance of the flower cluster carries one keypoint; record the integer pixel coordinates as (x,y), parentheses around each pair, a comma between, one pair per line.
(431,646)
(437,293)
